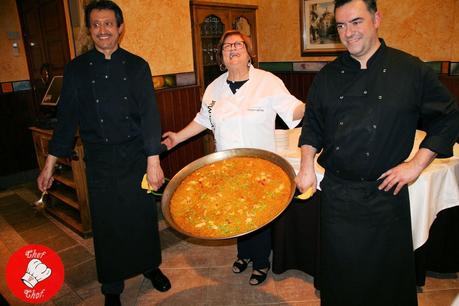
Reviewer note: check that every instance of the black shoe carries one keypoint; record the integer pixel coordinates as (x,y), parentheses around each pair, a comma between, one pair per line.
(112,300)
(159,281)
(240,265)
(257,279)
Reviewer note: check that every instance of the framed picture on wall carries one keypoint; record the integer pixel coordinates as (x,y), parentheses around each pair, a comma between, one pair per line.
(82,39)
(318,30)
(454,68)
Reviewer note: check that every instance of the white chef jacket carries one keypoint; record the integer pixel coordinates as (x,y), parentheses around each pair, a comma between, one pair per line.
(246,119)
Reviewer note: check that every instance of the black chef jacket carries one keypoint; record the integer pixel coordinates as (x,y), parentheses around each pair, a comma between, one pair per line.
(113,104)
(365,120)
(111,101)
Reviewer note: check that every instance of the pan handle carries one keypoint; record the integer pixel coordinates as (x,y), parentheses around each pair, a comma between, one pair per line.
(159,192)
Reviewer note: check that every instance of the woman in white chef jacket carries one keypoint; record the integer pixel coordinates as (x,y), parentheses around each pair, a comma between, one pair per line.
(240,107)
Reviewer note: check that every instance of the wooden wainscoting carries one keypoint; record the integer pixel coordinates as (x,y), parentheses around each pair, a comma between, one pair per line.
(298,83)
(452,83)
(178,106)
(16,115)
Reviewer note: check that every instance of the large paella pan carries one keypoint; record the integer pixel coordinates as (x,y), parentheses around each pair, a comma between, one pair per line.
(228,193)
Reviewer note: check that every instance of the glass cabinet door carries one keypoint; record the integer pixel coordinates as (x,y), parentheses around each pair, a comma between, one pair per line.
(211,30)
(210,22)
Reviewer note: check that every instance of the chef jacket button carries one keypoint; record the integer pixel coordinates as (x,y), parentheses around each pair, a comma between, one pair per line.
(375,126)
(106,76)
(93,81)
(97,100)
(365,92)
(101,120)
(125,98)
(380,97)
(125,78)
(384,70)
(127,117)
(341,123)
(106,139)
(367,154)
(362,179)
(129,136)
(90,63)
(341,97)
(337,148)
(342,71)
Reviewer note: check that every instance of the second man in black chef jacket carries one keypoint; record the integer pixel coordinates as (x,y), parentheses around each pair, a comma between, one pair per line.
(363,110)
(108,94)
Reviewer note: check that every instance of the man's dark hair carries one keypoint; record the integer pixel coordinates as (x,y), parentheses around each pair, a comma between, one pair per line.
(371,4)
(103,5)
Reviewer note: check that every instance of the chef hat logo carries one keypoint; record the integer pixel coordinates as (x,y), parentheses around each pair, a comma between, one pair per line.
(36,272)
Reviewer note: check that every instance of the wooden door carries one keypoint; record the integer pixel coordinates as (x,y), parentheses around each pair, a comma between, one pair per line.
(46,42)
(244,21)
(209,25)
(210,21)
(219,18)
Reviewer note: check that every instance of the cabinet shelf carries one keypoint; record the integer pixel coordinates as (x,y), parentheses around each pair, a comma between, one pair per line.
(64,161)
(69,194)
(66,197)
(65,178)
(67,216)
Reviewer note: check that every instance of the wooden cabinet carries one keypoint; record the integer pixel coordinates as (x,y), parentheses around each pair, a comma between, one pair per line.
(210,21)
(68,200)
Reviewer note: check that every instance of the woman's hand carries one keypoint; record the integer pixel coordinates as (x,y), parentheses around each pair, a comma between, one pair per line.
(170,140)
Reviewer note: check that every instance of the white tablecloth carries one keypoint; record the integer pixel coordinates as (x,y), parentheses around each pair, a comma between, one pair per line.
(436,189)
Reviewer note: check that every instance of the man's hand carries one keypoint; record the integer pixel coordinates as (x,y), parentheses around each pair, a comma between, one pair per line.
(306,179)
(45,179)
(155,175)
(407,172)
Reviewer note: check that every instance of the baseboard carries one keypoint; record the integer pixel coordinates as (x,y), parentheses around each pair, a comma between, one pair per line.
(19,178)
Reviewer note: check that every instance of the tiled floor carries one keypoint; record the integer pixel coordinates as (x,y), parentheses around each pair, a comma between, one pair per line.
(200,271)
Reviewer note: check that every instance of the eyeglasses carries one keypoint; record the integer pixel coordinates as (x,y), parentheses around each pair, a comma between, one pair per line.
(237,46)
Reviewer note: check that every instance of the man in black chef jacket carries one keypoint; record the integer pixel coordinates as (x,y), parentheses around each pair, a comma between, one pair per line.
(108,94)
(363,110)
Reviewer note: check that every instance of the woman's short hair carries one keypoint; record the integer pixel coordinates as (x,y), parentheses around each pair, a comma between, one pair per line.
(102,5)
(247,41)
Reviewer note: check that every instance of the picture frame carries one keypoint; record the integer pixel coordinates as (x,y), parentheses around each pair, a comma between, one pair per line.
(53,93)
(454,68)
(81,38)
(308,66)
(319,36)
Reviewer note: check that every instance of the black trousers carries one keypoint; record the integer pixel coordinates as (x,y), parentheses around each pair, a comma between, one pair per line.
(118,286)
(365,245)
(256,246)
(124,217)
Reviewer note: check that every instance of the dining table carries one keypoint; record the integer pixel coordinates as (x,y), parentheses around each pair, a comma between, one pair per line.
(434,207)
